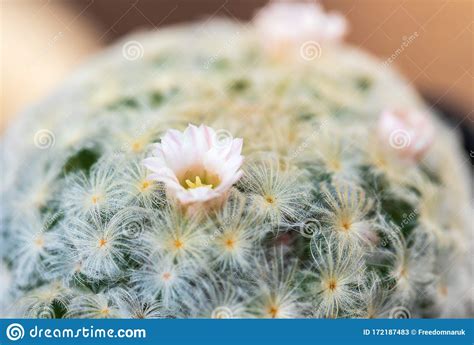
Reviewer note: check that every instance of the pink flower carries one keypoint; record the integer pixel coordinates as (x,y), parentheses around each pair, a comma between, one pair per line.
(196,165)
(409,133)
(290,25)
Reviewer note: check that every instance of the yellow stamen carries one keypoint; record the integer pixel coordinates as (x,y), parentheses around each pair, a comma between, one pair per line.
(230,243)
(105,311)
(39,241)
(145,185)
(332,284)
(270,199)
(196,184)
(346,225)
(95,199)
(102,242)
(273,312)
(137,146)
(178,244)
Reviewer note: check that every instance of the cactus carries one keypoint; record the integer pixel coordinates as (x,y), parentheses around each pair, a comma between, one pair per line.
(323,218)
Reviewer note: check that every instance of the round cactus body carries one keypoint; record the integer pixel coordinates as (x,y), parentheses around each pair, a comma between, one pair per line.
(190,173)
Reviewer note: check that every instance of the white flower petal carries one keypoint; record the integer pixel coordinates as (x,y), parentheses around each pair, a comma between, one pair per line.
(284,27)
(407,132)
(194,166)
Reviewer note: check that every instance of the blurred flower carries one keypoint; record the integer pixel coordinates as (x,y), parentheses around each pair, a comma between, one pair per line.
(289,25)
(409,132)
(195,165)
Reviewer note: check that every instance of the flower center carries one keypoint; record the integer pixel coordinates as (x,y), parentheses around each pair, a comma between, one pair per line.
(196,177)
(39,241)
(198,183)
(95,198)
(166,276)
(178,244)
(270,199)
(346,225)
(230,243)
(332,284)
(102,242)
(273,312)
(145,185)
(137,146)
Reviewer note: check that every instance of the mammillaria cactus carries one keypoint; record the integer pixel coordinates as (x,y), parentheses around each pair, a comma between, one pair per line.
(197,172)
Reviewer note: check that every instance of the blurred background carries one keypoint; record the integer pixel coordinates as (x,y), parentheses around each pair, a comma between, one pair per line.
(43,40)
